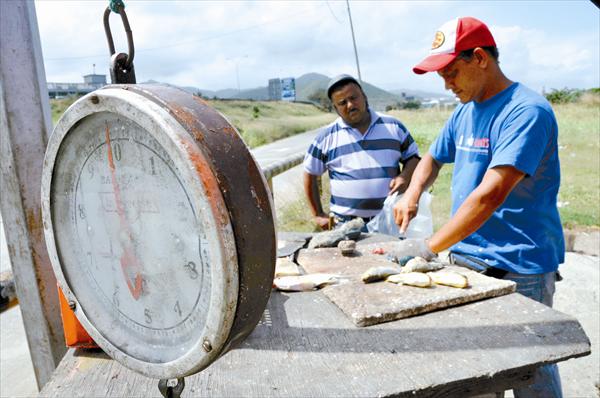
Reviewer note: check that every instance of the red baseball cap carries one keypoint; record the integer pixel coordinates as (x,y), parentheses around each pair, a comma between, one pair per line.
(451,38)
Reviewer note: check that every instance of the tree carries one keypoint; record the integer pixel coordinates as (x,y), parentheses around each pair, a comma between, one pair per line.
(411,105)
(563,96)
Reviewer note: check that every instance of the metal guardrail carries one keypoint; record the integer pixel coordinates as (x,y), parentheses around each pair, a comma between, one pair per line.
(281,155)
(279,167)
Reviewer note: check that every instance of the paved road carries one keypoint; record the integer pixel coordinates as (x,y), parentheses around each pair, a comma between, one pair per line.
(269,154)
(578,295)
(16,371)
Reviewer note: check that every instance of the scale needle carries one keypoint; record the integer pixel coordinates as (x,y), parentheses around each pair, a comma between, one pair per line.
(130,263)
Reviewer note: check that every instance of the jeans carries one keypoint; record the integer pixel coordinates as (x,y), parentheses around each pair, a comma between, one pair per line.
(538,287)
(546,380)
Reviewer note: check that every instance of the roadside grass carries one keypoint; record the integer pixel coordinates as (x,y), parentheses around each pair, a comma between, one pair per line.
(295,215)
(59,106)
(261,122)
(579,152)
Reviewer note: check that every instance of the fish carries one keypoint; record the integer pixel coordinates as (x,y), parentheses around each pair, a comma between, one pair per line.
(375,274)
(303,283)
(417,279)
(419,264)
(350,230)
(399,260)
(286,267)
(404,259)
(449,278)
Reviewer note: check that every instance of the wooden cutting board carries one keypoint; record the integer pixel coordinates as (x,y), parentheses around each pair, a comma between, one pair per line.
(370,304)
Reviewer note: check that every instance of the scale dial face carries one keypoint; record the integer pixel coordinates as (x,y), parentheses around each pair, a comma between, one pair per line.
(139,239)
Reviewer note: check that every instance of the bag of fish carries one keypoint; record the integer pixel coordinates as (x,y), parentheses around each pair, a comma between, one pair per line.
(420,227)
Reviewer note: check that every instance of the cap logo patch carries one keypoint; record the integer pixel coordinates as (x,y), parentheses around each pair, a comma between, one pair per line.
(438,40)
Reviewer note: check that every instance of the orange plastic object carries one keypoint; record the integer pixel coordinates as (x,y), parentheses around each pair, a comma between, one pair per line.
(75,334)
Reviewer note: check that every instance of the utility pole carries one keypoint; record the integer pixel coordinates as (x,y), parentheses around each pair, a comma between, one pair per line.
(237,75)
(237,72)
(354,41)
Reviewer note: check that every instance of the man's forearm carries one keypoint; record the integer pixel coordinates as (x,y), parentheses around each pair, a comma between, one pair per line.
(311,189)
(408,170)
(425,173)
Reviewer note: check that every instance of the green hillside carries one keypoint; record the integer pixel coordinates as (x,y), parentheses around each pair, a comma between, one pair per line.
(310,83)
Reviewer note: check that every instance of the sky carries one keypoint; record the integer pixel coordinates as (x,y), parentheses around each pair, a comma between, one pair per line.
(215,45)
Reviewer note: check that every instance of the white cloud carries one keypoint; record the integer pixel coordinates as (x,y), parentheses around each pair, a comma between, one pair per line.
(549,59)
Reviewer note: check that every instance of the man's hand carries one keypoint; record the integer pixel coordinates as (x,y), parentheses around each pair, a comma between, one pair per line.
(398,184)
(322,221)
(414,248)
(405,210)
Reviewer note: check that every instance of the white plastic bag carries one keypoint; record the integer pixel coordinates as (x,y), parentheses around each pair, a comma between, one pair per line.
(420,227)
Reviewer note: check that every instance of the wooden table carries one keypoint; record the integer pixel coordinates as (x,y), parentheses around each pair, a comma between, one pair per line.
(305,346)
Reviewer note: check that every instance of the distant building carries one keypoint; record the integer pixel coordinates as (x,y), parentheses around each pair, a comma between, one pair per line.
(90,83)
(446,103)
(95,79)
(275,89)
(282,89)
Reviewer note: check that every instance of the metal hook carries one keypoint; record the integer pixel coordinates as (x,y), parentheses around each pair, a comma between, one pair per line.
(109,38)
(171,391)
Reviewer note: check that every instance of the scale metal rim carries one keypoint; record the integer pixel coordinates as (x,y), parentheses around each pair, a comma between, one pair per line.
(194,166)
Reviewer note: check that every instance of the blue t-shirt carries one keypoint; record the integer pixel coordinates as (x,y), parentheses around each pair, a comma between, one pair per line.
(516,127)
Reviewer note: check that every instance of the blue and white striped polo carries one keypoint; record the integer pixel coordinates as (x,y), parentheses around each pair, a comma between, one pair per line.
(360,166)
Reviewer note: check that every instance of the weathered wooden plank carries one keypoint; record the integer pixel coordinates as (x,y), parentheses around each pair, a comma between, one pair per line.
(305,346)
(24,129)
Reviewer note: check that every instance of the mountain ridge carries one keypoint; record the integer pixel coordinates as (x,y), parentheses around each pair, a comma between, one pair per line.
(311,83)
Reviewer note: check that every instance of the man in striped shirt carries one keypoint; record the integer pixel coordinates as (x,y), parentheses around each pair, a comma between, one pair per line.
(362,150)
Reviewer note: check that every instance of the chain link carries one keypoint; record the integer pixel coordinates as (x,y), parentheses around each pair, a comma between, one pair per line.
(121,64)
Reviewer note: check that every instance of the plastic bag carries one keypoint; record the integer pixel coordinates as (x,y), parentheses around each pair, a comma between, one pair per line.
(419,227)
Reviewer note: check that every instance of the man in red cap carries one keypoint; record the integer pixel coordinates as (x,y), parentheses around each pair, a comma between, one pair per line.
(502,139)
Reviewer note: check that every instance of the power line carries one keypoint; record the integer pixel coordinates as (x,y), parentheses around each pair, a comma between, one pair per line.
(332,13)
